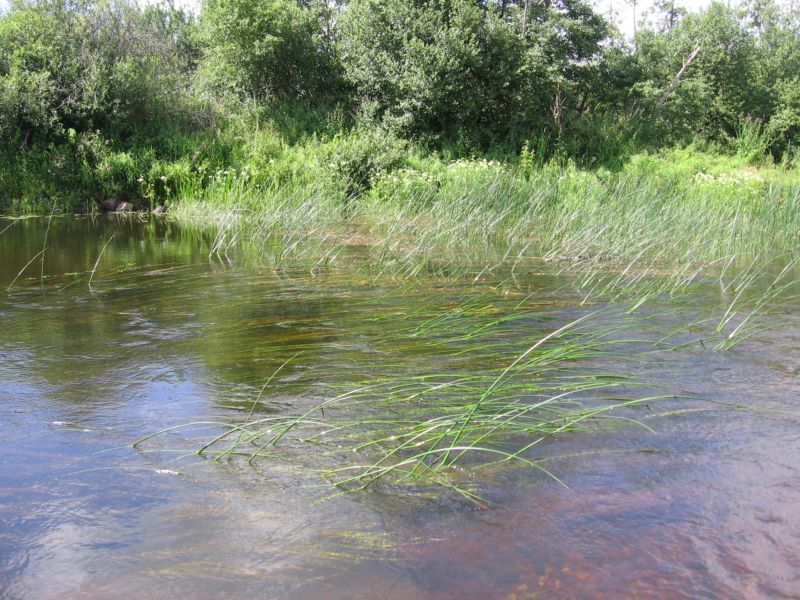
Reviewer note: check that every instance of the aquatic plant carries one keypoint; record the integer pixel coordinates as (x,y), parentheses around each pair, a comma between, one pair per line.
(508,376)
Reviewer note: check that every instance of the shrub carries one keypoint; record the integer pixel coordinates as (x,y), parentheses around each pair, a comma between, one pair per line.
(362,156)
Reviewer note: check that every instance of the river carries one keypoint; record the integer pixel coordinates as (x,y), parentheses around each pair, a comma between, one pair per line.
(126,326)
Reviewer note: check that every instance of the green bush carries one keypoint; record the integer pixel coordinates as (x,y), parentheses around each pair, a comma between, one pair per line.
(87,65)
(358,159)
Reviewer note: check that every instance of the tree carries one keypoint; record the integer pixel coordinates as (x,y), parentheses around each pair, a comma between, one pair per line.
(720,86)
(439,67)
(82,65)
(633,4)
(465,69)
(267,49)
(667,14)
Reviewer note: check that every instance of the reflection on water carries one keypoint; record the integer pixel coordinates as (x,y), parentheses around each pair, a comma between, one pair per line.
(704,507)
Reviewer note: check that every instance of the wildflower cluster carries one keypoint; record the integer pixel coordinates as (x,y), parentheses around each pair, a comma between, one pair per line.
(476,165)
(735,178)
(746,184)
(230,174)
(405,181)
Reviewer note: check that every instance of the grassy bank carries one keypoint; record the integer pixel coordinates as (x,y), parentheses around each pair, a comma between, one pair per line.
(325,173)
(310,182)
(675,205)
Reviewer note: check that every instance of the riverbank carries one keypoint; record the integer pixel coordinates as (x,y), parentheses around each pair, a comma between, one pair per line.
(311,176)
(681,205)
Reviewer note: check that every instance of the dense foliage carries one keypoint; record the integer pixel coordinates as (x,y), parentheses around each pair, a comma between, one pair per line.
(106,98)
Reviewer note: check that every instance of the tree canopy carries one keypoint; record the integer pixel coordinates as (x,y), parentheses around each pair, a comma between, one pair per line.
(478,73)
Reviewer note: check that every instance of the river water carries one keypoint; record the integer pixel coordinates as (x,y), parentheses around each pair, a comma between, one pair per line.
(124,327)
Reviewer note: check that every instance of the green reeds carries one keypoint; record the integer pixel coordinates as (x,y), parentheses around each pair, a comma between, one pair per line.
(423,427)
(508,376)
(474,213)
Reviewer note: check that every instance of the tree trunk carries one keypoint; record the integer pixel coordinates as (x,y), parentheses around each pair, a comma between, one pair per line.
(677,79)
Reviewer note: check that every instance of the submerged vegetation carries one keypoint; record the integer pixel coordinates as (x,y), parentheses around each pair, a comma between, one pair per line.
(503,373)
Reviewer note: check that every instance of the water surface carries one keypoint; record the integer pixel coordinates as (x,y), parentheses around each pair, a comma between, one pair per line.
(95,354)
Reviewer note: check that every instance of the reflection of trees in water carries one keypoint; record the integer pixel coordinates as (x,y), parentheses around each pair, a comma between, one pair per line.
(157,312)
(74,244)
(253,324)
(96,344)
